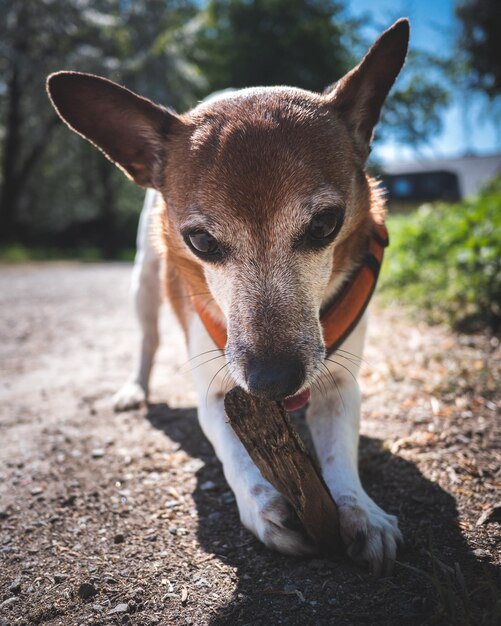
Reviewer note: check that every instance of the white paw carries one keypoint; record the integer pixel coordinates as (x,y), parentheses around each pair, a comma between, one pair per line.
(371,536)
(131,396)
(269,516)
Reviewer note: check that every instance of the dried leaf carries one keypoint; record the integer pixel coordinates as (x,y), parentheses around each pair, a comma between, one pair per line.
(492,514)
(184,595)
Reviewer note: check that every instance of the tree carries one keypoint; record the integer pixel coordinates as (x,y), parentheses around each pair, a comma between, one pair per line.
(480,42)
(30,39)
(141,44)
(412,112)
(273,42)
(309,44)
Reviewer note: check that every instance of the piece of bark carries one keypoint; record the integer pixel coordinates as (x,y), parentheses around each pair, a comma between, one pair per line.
(265,430)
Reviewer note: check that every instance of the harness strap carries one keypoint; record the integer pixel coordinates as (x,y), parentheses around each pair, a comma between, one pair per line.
(340,315)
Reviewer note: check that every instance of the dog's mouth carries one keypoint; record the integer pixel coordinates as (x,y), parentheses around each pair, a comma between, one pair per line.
(293,403)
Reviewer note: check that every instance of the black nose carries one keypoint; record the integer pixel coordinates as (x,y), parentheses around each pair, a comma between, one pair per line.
(274,378)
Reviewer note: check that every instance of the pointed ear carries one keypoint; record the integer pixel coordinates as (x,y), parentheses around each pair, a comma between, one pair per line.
(130,130)
(360,94)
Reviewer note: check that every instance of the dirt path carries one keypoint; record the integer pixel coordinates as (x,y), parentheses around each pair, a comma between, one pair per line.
(136,506)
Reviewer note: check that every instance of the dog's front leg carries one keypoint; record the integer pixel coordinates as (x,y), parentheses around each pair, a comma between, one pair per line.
(147,295)
(262,509)
(370,534)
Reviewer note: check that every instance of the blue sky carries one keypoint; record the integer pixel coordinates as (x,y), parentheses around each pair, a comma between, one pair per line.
(467,128)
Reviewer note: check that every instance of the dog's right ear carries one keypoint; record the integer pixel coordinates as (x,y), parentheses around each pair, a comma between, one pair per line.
(130,130)
(359,95)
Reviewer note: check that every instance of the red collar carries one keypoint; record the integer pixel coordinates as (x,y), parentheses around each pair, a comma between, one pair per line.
(343,311)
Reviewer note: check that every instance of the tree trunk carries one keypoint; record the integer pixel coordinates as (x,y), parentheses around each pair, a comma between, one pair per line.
(107,210)
(9,195)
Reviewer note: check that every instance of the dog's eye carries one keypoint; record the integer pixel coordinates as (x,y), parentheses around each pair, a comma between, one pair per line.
(325,225)
(203,244)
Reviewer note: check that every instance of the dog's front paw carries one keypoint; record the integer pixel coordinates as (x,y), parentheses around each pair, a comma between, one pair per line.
(272,519)
(370,535)
(131,396)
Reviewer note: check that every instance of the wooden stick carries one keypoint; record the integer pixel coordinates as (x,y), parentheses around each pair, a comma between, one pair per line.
(273,444)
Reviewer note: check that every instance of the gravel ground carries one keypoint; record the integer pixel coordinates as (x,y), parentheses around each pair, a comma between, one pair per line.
(126,518)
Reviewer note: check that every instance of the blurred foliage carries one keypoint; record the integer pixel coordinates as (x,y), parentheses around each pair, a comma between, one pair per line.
(480,43)
(58,191)
(274,42)
(413,111)
(311,45)
(445,259)
(17,253)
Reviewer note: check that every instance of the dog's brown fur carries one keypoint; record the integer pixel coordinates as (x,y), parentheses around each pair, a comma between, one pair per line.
(226,175)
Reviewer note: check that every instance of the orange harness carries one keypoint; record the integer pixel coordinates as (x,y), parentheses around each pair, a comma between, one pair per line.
(343,311)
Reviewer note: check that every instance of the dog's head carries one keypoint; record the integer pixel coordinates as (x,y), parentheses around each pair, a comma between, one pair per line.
(267,198)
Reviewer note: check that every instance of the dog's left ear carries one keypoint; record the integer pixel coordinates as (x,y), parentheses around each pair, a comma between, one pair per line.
(130,130)
(360,94)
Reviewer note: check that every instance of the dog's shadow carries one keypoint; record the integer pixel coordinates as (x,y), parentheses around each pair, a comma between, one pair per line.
(437,579)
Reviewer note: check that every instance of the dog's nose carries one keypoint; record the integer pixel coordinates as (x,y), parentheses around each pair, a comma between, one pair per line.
(274,378)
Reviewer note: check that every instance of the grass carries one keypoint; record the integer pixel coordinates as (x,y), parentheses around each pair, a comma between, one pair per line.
(453,597)
(445,260)
(19,253)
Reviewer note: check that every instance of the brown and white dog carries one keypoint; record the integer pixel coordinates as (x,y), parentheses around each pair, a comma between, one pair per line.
(267,208)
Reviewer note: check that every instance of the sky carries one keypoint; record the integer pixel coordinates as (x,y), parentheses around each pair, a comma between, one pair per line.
(466,128)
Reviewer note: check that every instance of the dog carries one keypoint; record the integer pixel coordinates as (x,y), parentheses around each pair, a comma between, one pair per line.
(266,211)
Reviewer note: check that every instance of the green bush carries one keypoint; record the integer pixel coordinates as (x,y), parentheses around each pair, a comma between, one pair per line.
(445,259)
